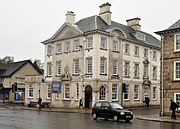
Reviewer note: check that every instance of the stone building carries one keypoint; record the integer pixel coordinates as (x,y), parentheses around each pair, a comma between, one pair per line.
(95,55)
(170,79)
(16,72)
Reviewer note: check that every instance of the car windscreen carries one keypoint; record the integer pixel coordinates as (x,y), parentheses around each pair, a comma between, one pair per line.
(116,106)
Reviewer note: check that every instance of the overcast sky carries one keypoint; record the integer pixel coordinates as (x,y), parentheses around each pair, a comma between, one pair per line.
(24,24)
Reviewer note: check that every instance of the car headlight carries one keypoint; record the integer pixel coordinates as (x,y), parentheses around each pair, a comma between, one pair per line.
(122,113)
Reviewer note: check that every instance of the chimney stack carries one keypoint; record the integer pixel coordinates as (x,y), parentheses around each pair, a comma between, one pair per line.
(70,17)
(134,23)
(105,13)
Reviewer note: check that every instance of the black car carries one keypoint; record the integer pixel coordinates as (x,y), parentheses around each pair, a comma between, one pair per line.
(110,110)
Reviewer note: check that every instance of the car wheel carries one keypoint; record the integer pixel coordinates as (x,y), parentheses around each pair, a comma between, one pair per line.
(115,118)
(94,116)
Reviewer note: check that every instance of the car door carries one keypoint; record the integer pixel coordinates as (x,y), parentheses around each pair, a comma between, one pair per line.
(106,111)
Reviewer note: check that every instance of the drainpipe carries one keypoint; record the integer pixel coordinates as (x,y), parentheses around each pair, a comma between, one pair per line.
(162,78)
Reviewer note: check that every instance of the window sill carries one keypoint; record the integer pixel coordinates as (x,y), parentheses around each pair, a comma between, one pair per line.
(115,51)
(103,74)
(30,97)
(75,74)
(76,50)
(59,53)
(104,49)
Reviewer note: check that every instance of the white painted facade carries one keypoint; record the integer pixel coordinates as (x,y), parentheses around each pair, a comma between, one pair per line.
(96,86)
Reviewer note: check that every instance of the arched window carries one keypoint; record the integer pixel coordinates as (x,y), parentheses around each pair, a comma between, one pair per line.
(102,93)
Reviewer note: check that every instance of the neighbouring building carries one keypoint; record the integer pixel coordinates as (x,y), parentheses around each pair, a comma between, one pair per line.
(95,55)
(16,72)
(170,79)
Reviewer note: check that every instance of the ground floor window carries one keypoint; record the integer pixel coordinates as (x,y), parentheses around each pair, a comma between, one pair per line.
(114,92)
(66,91)
(136,92)
(30,91)
(102,93)
(177,98)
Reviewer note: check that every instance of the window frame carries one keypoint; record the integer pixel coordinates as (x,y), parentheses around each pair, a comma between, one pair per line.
(103,65)
(66,91)
(136,92)
(49,68)
(49,50)
(126,68)
(76,66)
(154,93)
(89,65)
(67,46)
(103,43)
(127,48)
(115,45)
(136,51)
(102,93)
(89,43)
(32,91)
(175,42)
(154,73)
(59,48)
(175,99)
(175,77)
(115,91)
(136,70)
(76,45)
(115,67)
(58,68)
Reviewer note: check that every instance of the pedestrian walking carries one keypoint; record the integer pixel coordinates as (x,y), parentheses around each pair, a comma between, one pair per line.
(172,108)
(40,103)
(147,100)
(81,103)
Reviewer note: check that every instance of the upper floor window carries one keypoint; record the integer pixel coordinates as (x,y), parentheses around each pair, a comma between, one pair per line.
(126,69)
(58,48)
(103,63)
(154,72)
(145,71)
(67,47)
(126,51)
(49,69)
(76,66)
(49,50)
(177,42)
(89,43)
(136,51)
(177,70)
(76,45)
(115,67)
(145,53)
(115,45)
(154,55)
(89,65)
(103,43)
(58,68)
(136,70)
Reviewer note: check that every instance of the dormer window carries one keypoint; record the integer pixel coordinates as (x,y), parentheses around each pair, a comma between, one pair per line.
(140,36)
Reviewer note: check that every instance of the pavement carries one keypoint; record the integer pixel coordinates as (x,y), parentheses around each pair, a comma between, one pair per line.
(153,117)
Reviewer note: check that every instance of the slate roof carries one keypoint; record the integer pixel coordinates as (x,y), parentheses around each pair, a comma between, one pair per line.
(7,70)
(95,22)
(173,28)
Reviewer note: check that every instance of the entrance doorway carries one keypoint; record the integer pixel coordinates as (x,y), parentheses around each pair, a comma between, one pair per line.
(88,97)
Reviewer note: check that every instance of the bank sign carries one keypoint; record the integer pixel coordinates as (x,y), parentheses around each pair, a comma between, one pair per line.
(56,86)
